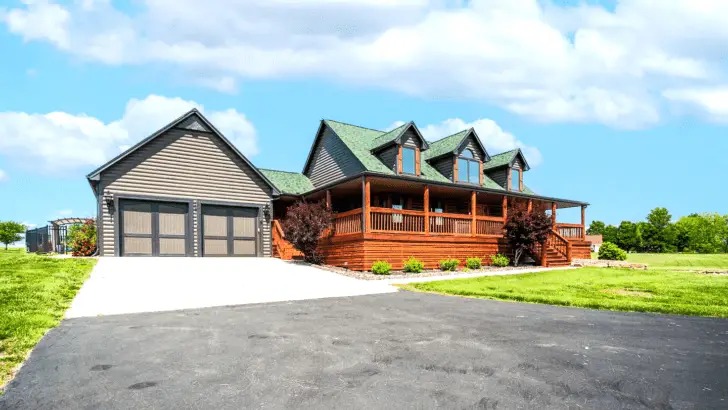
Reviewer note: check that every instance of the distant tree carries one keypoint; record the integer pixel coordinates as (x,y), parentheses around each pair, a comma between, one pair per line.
(11,232)
(702,233)
(303,227)
(610,234)
(524,230)
(596,228)
(659,235)
(628,236)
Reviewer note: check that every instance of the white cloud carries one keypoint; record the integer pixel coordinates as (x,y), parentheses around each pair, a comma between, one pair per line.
(550,63)
(3,176)
(71,142)
(495,139)
(713,102)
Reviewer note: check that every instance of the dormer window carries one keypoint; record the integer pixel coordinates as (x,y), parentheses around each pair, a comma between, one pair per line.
(408,160)
(468,168)
(515,179)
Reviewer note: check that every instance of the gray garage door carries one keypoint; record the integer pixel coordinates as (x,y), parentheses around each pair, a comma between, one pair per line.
(229,231)
(153,228)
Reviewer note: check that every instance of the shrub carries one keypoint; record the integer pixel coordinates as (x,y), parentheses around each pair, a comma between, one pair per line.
(524,230)
(449,264)
(610,251)
(499,260)
(304,224)
(474,262)
(82,238)
(381,268)
(413,265)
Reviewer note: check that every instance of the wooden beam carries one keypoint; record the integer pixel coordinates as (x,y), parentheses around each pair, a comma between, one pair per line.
(399,159)
(508,179)
(328,199)
(367,205)
(530,205)
(520,180)
(417,161)
(553,213)
(473,229)
(455,169)
(480,167)
(505,209)
(427,209)
(583,222)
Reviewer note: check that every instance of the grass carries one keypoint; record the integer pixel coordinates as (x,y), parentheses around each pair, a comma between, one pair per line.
(35,292)
(680,261)
(654,290)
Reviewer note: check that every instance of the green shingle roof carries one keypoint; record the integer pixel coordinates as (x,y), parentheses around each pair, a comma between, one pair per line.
(445,145)
(499,160)
(361,140)
(389,136)
(490,184)
(288,182)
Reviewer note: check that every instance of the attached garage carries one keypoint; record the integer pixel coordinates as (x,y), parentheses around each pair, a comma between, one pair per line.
(229,231)
(183,191)
(150,228)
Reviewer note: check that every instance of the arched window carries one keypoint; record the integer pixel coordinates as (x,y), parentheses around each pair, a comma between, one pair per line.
(467,153)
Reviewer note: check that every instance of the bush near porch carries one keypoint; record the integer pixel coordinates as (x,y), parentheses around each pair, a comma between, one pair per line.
(660,290)
(35,292)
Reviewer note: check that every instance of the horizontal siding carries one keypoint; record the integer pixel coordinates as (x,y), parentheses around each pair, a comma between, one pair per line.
(500,177)
(410,139)
(389,157)
(473,146)
(184,164)
(444,166)
(331,160)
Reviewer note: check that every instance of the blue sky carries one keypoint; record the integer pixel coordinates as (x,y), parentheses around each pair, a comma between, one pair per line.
(610,106)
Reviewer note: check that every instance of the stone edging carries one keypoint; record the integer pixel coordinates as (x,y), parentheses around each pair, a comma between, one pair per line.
(608,264)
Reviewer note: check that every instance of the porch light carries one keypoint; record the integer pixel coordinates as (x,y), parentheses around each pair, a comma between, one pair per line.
(109,203)
(266,212)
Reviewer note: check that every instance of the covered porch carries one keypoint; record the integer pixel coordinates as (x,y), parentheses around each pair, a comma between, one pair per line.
(393,218)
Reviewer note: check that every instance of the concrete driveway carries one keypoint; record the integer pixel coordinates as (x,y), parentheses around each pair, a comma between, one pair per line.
(395,351)
(133,285)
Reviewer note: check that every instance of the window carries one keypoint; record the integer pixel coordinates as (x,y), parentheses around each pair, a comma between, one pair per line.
(515,179)
(468,169)
(408,160)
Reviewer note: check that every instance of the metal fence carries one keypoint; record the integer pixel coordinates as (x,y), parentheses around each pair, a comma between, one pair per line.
(47,239)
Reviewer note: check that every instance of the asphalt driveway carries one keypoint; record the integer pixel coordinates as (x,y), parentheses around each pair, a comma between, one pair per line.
(390,351)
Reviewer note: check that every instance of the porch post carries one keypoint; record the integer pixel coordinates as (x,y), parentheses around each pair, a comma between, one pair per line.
(505,209)
(367,204)
(328,199)
(583,222)
(530,205)
(553,214)
(427,209)
(473,229)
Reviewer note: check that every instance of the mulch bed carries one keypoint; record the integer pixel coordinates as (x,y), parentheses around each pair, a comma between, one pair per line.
(401,275)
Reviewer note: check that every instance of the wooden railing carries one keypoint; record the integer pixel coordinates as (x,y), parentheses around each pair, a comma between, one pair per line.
(397,220)
(452,224)
(489,225)
(347,222)
(570,230)
(281,247)
(559,244)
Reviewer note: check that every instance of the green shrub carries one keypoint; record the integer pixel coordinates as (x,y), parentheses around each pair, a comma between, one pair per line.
(82,238)
(610,251)
(413,265)
(500,260)
(449,264)
(381,268)
(474,262)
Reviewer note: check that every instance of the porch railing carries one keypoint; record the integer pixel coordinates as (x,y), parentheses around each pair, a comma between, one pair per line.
(574,231)
(559,244)
(347,222)
(397,220)
(489,225)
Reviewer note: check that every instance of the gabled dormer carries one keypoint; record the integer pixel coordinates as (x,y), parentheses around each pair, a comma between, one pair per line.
(507,169)
(401,149)
(459,157)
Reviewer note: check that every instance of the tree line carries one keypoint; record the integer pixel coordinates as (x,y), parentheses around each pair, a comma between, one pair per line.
(699,233)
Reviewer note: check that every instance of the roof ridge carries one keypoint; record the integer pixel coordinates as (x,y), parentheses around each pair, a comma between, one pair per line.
(278,170)
(505,152)
(358,126)
(449,136)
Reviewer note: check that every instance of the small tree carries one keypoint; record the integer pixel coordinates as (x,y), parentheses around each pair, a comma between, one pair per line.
(11,232)
(524,230)
(82,238)
(304,224)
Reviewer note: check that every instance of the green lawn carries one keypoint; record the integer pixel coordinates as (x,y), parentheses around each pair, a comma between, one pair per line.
(654,290)
(35,292)
(681,260)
